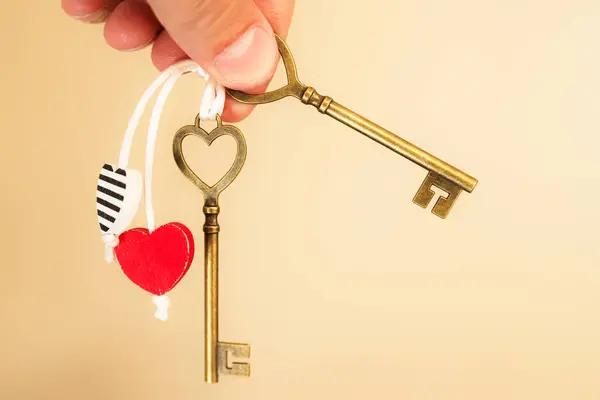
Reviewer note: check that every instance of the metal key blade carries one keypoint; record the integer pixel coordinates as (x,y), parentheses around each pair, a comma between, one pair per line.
(217,354)
(441,174)
(211,293)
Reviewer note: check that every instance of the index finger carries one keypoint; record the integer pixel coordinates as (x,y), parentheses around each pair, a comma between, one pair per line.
(89,10)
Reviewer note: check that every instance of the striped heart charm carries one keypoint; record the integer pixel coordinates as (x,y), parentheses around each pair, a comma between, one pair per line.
(118,196)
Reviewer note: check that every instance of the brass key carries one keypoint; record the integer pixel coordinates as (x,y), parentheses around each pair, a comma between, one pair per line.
(442,175)
(218,355)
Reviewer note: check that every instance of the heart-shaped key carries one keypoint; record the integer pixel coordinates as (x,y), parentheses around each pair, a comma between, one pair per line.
(216,353)
(442,175)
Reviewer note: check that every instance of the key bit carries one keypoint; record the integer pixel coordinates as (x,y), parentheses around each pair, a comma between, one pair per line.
(226,355)
(444,204)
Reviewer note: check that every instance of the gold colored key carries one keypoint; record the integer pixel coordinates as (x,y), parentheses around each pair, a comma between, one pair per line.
(220,357)
(442,175)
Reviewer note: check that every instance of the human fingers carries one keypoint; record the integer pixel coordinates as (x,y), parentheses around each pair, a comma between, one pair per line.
(165,52)
(232,39)
(131,26)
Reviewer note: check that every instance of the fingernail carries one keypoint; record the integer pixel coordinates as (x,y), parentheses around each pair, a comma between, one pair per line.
(95,17)
(143,46)
(249,61)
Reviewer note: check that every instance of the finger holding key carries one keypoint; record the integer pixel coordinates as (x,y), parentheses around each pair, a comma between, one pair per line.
(233,40)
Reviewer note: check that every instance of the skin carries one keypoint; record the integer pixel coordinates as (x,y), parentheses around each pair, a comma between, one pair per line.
(231,39)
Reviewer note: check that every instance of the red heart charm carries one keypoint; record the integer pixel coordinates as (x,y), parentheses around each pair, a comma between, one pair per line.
(156,261)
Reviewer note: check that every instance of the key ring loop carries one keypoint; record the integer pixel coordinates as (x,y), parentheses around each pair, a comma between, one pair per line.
(217,118)
(293,88)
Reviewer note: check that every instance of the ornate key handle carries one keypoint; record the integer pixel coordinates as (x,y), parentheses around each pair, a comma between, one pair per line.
(217,354)
(211,193)
(294,87)
(442,175)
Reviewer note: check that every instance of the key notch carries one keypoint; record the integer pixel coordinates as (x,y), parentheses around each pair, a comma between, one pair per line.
(228,353)
(444,204)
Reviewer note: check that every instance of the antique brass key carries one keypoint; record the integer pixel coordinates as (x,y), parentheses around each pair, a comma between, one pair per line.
(218,355)
(442,175)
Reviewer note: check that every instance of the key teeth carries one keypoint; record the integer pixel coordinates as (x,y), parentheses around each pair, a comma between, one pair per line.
(425,195)
(443,206)
(237,350)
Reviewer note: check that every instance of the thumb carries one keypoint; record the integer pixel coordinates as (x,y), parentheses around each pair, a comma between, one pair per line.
(231,39)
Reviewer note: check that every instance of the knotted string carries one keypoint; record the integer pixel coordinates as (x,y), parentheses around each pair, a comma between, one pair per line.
(162,307)
(213,102)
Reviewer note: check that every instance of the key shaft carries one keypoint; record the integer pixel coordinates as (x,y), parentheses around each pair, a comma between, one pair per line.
(328,106)
(211,292)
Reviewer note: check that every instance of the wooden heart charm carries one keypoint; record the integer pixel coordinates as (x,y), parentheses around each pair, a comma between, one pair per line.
(118,195)
(210,192)
(156,261)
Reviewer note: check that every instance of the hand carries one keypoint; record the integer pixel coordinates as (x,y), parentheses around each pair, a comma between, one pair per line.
(231,39)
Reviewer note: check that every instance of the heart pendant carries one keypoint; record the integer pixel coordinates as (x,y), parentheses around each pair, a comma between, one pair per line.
(211,193)
(118,195)
(156,261)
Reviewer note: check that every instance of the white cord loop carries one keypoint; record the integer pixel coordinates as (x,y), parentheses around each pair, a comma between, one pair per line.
(110,242)
(213,102)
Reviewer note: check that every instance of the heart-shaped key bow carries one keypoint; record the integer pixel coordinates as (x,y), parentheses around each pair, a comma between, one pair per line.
(211,193)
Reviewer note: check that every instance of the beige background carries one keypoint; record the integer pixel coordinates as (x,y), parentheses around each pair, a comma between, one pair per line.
(343,293)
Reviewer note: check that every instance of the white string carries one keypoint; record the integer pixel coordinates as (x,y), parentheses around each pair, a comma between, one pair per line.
(134,121)
(214,104)
(151,144)
(213,101)
(110,242)
(162,307)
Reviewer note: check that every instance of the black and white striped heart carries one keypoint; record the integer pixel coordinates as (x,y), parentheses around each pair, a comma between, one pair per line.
(118,196)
